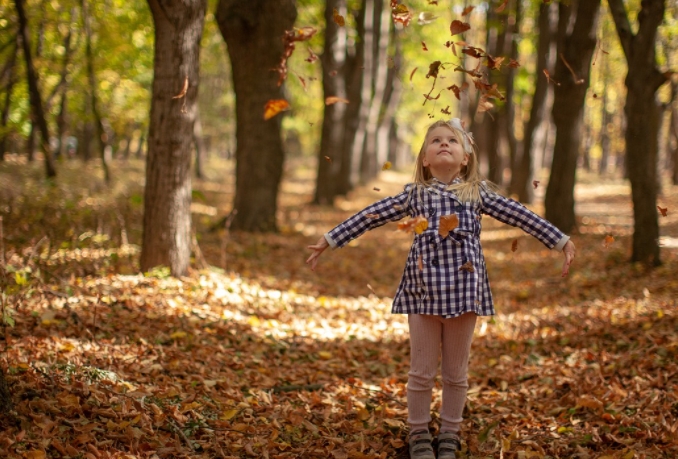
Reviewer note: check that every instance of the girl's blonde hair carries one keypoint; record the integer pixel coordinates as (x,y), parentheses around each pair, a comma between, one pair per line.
(469,189)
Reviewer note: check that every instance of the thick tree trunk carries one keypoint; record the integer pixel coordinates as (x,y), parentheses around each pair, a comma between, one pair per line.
(642,123)
(673,132)
(4,118)
(333,137)
(575,49)
(523,172)
(37,112)
(253,32)
(102,137)
(167,199)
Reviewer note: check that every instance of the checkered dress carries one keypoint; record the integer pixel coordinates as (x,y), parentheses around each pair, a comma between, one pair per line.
(434,281)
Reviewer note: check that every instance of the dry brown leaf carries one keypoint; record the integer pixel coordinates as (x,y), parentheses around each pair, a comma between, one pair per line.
(447,223)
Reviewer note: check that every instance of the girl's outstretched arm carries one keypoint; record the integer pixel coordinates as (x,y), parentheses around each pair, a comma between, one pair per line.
(317,249)
(568,251)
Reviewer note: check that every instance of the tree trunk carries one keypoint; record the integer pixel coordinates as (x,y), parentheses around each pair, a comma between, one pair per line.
(523,172)
(10,72)
(575,49)
(513,35)
(253,32)
(167,199)
(643,80)
(333,135)
(37,113)
(371,163)
(604,135)
(387,125)
(673,152)
(102,137)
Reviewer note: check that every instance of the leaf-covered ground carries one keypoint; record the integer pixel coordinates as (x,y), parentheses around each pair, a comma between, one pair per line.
(253,355)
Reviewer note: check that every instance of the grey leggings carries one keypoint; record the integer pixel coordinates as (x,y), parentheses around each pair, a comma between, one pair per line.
(428,336)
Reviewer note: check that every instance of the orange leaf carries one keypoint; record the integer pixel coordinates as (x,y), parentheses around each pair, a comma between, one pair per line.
(501,7)
(386,166)
(467,10)
(459,27)
(447,224)
(334,99)
(416,224)
(275,106)
(338,18)
(468,266)
(663,210)
(329,160)
(302,34)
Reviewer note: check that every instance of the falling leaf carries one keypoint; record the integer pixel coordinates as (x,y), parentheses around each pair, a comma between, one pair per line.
(467,10)
(514,245)
(446,110)
(455,89)
(423,46)
(412,73)
(458,27)
(338,18)
(303,82)
(514,64)
(663,210)
(184,90)
(501,7)
(328,159)
(275,106)
(484,105)
(577,80)
(433,69)
(468,266)
(535,183)
(420,263)
(549,79)
(371,289)
(608,241)
(447,224)
(494,63)
(426,17)
(376,189)
(334,100)
(386,166)
(415,224)
(401,14)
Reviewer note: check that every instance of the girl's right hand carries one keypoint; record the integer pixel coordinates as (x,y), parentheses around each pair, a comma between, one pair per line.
(317,248)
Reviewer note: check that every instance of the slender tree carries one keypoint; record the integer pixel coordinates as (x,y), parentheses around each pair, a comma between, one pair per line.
(10,71)
(37,112)
(576,42)
(253,31)
(167,199)
(643,80)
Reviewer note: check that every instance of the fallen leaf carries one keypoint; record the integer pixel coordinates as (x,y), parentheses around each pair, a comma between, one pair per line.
(447,224)
(275,106)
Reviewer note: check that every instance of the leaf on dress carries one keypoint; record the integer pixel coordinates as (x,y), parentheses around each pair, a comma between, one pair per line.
(447,224)
(468,266)
(414,224)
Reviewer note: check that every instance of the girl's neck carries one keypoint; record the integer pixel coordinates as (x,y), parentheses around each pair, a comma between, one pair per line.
(445,178)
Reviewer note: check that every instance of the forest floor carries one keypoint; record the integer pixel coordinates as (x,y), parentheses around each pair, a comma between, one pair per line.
(252,355)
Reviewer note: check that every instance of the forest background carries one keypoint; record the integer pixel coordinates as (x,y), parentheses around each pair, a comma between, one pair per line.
(131,131)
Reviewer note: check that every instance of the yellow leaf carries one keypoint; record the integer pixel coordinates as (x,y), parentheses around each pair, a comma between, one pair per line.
(178,335)
(254,321)
(630,454)
(325,355)
(66,346)
(363,414)
(387,165)
(228,415)
(421,226)
(35,454)
(505,444)
(563,429)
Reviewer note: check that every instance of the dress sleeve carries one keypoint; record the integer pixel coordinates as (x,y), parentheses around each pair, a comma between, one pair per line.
(378,214)
(513,213)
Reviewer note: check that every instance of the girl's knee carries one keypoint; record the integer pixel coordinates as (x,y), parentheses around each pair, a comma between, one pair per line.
(417,381)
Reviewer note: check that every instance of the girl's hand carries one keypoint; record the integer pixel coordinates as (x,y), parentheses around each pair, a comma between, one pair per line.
(317,248)
(568,251)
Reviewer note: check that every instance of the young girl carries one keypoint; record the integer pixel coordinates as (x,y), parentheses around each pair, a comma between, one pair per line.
(444,286)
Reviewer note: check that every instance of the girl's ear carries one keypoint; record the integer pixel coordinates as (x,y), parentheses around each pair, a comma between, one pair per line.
(464,161)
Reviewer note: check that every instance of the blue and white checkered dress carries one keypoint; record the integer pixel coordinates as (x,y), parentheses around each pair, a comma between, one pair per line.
(437,284)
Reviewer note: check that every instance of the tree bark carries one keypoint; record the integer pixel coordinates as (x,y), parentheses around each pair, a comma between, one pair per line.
(10,72)
(37,112)
(643,80)
(167,199)
(523,171)
(253,32)
(333,135)
(575,49)
(102,136)
(199,144)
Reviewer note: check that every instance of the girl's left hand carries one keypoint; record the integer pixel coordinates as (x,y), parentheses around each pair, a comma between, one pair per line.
(569,252)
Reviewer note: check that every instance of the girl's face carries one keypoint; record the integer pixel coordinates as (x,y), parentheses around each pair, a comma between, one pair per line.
(444,154)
